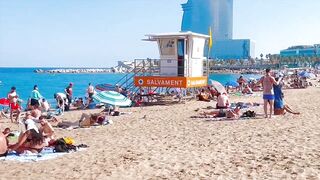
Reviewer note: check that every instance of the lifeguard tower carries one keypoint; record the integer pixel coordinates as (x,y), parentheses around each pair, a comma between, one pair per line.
(181,63)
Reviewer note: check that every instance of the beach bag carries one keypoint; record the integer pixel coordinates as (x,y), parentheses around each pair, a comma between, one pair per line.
(69,140)
(61,146)
(249,113)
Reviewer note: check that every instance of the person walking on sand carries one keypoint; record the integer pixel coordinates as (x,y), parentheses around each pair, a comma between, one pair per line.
(68,92)
(90,90)
(35,96)
(267,82)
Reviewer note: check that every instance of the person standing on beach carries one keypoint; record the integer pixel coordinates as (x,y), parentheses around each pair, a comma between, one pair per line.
(35,96)
(241,82)
(14,106)
(267,82)
(68,91)
(90,90)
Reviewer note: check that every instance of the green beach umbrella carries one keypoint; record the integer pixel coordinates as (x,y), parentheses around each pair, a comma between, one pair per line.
(112,98)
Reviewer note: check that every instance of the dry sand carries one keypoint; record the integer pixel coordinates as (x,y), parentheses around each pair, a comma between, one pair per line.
(163,142)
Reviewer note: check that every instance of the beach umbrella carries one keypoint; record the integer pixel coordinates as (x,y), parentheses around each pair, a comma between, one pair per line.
(232,84)
(4,102)
(112,98)
(218,86)
(307,74)
(303,73)
(105,87)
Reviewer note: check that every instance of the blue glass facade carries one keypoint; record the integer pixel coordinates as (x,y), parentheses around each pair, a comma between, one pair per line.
(199,15)
(307,51)
(232,49)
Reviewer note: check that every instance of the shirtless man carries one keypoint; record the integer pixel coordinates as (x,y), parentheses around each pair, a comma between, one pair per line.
(267,82)
(46,129)
(36,112)
(3,144)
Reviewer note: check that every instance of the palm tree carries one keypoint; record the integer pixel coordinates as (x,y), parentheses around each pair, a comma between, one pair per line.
(241,62)
(261,55)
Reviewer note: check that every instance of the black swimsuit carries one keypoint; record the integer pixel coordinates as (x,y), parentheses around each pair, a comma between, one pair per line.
(4,154)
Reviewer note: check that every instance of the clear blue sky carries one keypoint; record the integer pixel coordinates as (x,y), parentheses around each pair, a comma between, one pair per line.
(97,33)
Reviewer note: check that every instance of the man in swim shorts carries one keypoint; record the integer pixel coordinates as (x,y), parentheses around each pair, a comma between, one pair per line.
(267,82)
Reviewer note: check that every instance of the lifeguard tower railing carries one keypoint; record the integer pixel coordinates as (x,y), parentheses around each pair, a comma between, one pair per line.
(149,67)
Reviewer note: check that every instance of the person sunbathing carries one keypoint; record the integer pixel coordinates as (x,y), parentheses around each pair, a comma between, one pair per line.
(31,140)
(86,120)
(222,101)
(247,90)
(230,113)
(279,107)
(204,96)
(36,112)
(46,129)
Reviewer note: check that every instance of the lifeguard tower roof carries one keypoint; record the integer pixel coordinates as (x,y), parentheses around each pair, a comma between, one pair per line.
(155,37)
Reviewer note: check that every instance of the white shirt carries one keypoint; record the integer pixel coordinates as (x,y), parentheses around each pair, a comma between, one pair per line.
(222,100)
(12,97)
(90,89)
(31,125)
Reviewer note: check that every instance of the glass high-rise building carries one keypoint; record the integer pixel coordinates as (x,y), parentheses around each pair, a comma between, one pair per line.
(200,15)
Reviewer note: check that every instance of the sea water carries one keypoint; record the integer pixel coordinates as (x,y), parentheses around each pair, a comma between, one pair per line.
(25,78)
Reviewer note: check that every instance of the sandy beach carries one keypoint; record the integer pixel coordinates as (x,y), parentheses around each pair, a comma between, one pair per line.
(163,142)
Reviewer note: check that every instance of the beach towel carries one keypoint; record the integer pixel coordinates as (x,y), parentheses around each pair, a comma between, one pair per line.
(45,154)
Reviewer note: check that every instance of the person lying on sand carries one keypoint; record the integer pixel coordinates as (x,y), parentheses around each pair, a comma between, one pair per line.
(230,113)
(86,120)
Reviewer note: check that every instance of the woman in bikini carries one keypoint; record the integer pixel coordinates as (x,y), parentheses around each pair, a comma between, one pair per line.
(31,140)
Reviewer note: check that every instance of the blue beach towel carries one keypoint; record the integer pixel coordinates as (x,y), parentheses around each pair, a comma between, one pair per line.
(45,154)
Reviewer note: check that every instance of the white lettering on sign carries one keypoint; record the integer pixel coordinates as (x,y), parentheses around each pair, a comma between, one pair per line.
(162,82)
(197,82)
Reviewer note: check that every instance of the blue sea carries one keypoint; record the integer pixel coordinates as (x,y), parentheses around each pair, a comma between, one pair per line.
(24,79)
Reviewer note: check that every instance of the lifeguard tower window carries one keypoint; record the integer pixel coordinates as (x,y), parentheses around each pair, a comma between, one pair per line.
(181,55)
(167,47)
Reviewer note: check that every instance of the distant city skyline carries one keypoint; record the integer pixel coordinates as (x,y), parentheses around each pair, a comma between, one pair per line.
(99,33)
